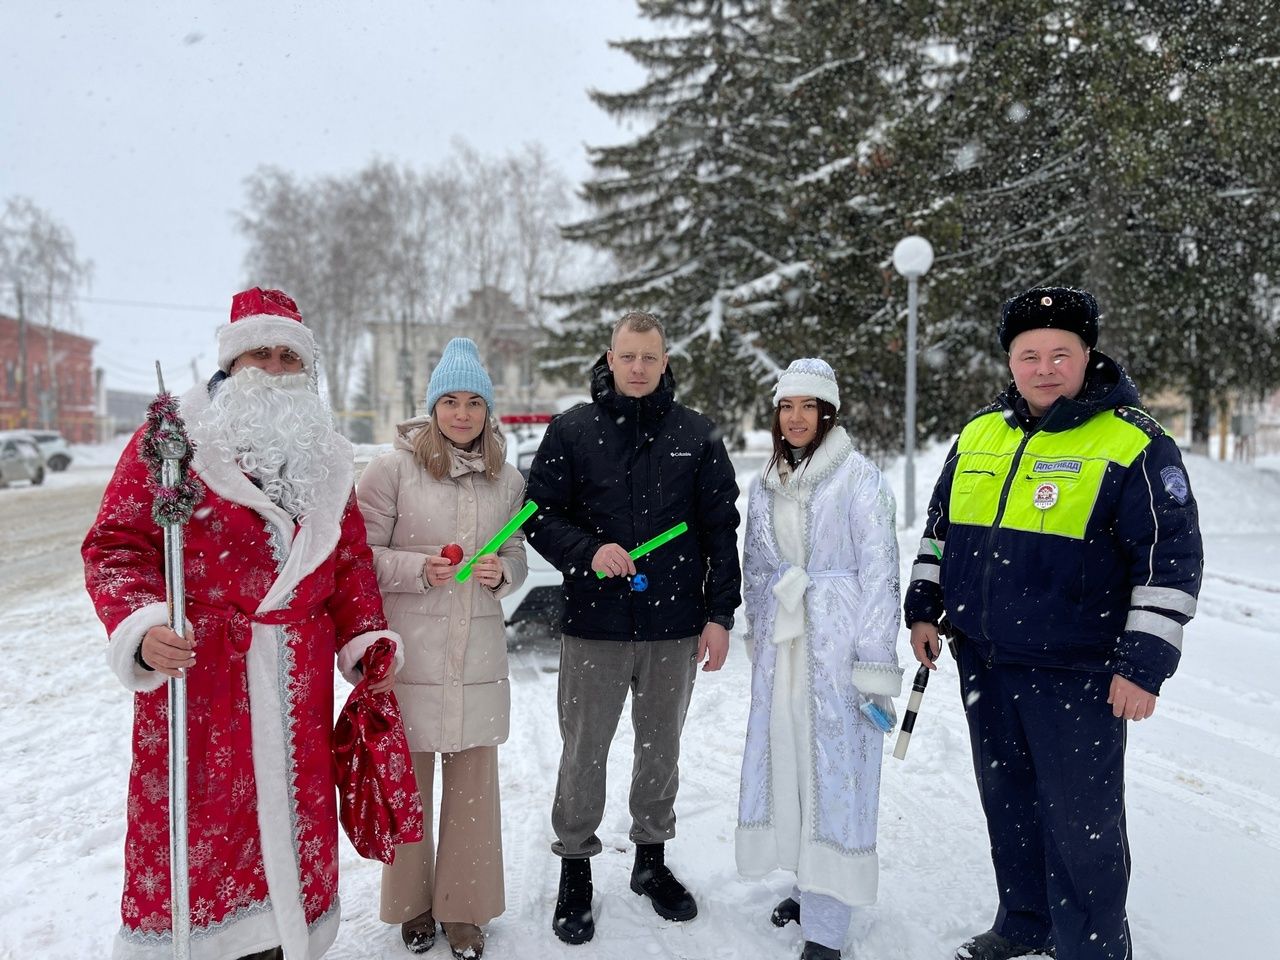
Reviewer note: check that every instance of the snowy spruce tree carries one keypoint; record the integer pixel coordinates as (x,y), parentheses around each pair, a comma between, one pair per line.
(681,208)
(1127,148)
(1192,266)
(840,74)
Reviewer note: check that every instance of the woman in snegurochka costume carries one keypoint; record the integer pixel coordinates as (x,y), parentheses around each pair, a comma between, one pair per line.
(820,568)
(447,482)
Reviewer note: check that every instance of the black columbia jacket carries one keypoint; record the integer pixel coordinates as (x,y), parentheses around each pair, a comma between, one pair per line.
(623,470)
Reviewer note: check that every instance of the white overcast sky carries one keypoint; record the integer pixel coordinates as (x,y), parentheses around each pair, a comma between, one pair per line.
(135,122)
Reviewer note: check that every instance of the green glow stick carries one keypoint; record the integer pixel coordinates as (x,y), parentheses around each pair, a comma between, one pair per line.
(497,540)
(934,544)
(650,545)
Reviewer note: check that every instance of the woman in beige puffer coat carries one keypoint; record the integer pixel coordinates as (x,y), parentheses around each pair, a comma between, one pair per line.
(446,481)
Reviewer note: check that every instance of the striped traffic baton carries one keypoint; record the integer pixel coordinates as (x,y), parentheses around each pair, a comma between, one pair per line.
(913,708)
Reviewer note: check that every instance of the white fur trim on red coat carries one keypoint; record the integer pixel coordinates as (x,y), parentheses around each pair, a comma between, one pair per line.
(265,330)
(123,644)
(248,935)
(273,775)
(351,652)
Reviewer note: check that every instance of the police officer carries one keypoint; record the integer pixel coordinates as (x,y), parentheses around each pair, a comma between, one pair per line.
(1063,545)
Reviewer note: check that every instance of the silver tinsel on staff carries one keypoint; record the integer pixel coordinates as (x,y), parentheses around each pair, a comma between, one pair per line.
(167,451)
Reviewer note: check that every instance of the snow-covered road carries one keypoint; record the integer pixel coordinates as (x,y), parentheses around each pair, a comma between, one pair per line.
(1204,779)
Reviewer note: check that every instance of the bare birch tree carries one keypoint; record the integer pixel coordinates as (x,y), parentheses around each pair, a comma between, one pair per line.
(394,244)
(40,275)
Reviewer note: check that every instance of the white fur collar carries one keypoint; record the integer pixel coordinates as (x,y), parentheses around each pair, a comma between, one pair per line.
(317,534)
(835,448)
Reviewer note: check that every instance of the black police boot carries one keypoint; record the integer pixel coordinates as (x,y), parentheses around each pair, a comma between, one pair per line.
(573,922)
(990,945)
(816,951)
(788,911)
(651,878)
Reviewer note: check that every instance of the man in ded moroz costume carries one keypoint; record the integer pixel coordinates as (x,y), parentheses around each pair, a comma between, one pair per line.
(279,582)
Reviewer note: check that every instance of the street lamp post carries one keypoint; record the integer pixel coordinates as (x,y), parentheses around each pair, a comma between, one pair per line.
(912,257)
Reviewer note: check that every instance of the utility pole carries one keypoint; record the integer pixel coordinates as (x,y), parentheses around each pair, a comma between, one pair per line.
(51,399)
(22,361)
(406,367)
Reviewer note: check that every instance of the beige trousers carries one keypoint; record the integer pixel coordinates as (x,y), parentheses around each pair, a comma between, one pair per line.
(460,880)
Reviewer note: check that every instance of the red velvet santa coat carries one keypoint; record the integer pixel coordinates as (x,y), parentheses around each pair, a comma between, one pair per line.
(271,603)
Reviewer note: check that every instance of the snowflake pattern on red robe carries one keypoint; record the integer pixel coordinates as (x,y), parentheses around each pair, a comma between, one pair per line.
(271,602)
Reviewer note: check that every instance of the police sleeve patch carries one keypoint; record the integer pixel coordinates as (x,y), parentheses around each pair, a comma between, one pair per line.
(1175,483)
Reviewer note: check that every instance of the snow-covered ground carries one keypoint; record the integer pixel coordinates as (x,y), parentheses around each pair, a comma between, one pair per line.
(1204,777)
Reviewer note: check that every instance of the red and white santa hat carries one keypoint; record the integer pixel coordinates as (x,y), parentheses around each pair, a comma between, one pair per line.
(264,318)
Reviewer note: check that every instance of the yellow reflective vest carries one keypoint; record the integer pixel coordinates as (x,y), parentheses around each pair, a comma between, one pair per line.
(1070,541)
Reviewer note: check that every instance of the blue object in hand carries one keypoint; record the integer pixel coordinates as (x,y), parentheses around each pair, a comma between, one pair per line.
(639,583)
(877,716)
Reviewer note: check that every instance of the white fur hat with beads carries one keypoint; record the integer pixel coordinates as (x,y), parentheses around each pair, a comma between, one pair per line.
(808,377)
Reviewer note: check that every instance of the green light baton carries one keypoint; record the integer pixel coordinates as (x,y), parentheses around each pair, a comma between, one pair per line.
(650,545)
(497,540)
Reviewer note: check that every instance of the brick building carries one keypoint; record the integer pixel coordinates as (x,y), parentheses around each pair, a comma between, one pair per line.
(58,392)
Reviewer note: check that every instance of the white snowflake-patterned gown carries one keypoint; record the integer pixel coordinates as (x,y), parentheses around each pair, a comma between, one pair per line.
(820,571)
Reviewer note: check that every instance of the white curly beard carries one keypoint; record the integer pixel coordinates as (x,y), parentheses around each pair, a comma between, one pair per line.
(280,431)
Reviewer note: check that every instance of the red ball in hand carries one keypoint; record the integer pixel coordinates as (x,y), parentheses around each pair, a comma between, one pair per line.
(452,552)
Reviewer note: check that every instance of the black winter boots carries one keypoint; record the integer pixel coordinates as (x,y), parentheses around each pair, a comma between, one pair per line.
(651,878)
(990,945)
(816,951)
(788,911)
(573,922)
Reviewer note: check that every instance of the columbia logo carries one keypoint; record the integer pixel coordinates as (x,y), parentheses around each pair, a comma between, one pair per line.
(681,453)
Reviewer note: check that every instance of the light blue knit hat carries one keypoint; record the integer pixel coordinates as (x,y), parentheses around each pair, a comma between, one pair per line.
(459,369)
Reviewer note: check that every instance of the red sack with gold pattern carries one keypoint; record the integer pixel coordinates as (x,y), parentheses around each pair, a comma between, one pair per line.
(378,800)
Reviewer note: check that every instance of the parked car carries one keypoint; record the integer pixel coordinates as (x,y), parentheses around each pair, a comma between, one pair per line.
(57,455)
(20,459)
(538,604)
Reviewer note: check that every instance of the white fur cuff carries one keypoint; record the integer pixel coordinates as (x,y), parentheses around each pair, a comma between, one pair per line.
(123,643)
(882,678)
(349,656)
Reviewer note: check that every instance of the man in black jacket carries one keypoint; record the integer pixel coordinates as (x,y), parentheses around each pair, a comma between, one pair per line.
(608,476)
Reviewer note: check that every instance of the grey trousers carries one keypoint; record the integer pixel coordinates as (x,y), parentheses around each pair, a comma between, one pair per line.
(595,676)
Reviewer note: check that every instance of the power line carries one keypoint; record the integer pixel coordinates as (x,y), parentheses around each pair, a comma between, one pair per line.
(150,305)
(145,304)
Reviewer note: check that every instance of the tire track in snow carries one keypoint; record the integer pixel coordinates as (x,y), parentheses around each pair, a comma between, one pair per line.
(1242,734)
(528,761)
(1228,801)
(1260,586)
